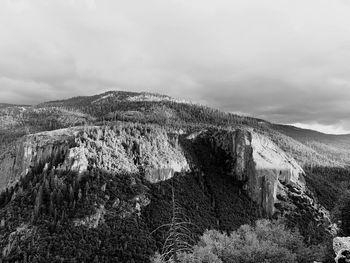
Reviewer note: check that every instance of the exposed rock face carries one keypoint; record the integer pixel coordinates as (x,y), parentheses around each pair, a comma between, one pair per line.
(92,221)
(22,232)
(126,151)
(271,171)
(260,165)
(268,175)
(160,174)
(114,149)
(236,144)
(76,160)
(32,151)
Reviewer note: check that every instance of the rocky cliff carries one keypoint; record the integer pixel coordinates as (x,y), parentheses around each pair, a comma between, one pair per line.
(32,151)
(119,183)
(257,163)
(115,149)
(270,177)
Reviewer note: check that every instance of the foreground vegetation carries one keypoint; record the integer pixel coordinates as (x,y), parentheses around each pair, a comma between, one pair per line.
(264,242)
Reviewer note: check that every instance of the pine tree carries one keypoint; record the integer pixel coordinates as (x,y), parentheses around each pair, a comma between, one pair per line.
(86,190)
(71,194)
(179,237)
(52,208)
(38,202)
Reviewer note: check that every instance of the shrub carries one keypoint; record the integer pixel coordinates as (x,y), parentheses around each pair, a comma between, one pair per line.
(265,242)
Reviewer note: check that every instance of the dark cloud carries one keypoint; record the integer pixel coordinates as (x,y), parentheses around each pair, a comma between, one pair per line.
(284,61)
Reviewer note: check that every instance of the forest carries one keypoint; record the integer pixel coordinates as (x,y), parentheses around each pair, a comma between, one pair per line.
(53,215)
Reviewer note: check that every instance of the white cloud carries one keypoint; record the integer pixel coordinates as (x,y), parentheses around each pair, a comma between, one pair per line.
(24,92)
(284,60)
(328,129)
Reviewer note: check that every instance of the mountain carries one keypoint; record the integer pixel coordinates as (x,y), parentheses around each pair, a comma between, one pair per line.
(99,178)
(308,147)
(335,147)
(110,97)
(161,109)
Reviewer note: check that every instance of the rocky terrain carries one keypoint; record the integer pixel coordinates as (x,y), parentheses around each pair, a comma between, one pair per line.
(102,170)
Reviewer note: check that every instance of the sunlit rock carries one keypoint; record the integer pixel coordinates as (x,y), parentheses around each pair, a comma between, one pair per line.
(21,233)
(341,247)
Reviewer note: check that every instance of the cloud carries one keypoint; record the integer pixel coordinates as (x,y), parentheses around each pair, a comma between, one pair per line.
(285,61)
(23,92)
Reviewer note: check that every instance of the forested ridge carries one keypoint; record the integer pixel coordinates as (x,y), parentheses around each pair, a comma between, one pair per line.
(120,106)
(52,215)
(50,206)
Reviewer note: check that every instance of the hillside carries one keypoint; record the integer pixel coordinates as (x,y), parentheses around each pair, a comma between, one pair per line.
(93,186)
(109,97)
(96,178)
(335,147)
(308,147)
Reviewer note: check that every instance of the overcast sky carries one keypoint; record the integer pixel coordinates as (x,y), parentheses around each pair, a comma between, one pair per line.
(284,61)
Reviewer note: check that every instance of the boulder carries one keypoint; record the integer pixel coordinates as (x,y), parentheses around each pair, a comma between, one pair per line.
(341,247)
(340,243)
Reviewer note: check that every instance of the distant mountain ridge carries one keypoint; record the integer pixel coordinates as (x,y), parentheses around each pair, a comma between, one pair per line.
(6,105)
(111,96)
(301,133)
(306,146)
(327,144)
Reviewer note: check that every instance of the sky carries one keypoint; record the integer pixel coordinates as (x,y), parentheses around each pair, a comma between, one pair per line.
(286,61)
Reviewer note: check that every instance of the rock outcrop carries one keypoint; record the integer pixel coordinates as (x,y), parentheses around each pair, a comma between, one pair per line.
(341,247)
(115,149)
(267,174)
(271,172)
(93,220)
(22,233)
(258,164)
(33,151)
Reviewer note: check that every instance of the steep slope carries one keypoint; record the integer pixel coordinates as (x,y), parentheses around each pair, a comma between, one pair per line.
(154,108)
(267,175)
(103,190)
(40,119)
(334,147)
(256,161)
(307,147)
(116,149)
(83,181)
(305,135)
(102,183)
(17,121)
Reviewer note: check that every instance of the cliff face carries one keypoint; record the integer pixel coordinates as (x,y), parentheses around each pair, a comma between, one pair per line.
(267,174)
(258,164)
(270,177)
(32,151)
(115,149)
(272,171)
